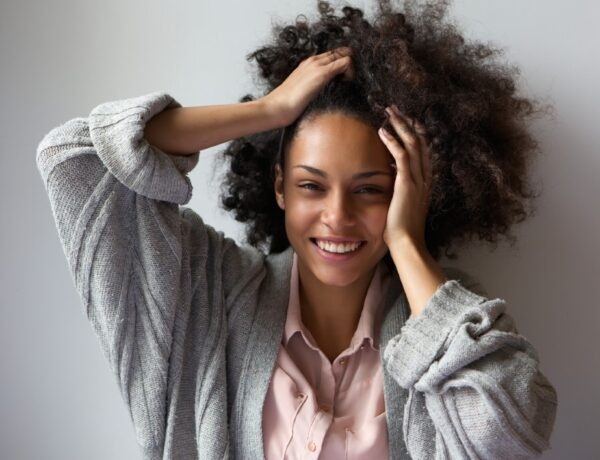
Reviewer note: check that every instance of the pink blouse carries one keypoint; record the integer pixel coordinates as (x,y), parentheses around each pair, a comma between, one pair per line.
(317,409)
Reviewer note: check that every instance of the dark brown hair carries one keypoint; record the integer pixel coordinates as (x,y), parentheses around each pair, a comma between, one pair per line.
(416,58)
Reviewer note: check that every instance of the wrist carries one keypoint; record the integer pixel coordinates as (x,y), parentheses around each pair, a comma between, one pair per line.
(405,251)
(406,243)
(419,272)
(274,111)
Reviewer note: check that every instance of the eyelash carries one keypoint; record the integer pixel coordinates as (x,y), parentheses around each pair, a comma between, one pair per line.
(306,187)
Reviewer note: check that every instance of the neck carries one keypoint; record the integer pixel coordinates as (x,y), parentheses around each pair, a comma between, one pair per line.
(331,313)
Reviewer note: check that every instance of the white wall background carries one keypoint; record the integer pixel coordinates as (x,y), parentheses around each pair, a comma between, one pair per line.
(58,60)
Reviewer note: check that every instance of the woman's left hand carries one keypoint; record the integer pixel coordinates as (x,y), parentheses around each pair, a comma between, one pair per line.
(412,188)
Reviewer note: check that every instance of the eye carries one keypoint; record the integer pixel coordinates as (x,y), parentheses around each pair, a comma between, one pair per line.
(309,186)
(368,190)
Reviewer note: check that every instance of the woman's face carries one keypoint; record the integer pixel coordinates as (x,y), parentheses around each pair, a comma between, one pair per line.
(337,185)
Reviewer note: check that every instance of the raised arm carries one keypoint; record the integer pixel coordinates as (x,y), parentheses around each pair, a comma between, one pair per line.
(137,258)
(185,130)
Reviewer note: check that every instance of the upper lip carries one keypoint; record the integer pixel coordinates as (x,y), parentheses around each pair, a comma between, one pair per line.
(337,239)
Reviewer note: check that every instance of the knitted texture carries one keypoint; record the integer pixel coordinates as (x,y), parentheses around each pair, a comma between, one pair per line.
(190,322)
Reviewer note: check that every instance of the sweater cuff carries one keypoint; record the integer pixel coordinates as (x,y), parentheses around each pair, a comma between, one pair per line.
(117,132)
(423,339)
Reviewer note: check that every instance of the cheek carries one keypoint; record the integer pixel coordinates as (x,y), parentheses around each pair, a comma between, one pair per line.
(376,218)
(299,215)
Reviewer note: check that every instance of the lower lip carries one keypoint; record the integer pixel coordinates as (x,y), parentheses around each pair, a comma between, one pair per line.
(337,257)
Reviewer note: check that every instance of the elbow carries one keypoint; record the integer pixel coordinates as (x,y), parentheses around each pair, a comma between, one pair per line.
(61,143)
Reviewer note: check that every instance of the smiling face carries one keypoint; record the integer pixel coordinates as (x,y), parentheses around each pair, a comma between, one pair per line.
(337,185)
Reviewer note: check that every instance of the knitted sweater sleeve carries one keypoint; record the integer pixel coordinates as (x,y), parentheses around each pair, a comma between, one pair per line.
(475,387)
(136,256)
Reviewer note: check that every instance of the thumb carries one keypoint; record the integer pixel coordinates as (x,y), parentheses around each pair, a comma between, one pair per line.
(348,72)
(343,64)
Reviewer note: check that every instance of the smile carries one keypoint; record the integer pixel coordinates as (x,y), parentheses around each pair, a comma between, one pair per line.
(337,251)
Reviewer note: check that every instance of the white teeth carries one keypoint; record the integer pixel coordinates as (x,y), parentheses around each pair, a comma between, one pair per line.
(339,248)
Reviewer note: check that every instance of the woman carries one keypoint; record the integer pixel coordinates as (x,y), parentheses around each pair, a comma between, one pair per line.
(345,338)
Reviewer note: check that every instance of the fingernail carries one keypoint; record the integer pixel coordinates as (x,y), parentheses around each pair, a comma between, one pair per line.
(388,112)
(385,132)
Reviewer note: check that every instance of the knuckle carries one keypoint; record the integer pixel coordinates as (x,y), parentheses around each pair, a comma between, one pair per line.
(402,155)
(412,142)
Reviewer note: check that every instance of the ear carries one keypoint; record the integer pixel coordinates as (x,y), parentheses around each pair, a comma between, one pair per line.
(278,185)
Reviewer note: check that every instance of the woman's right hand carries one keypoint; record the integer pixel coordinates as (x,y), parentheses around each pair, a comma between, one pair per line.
(291,97)
(187,130)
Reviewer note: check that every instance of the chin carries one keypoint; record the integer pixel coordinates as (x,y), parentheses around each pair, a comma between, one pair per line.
(332,276)
(336,279)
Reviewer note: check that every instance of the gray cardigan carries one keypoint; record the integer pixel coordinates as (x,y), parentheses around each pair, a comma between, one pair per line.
(190,322)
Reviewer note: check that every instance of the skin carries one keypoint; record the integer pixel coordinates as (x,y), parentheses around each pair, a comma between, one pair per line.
(386,210)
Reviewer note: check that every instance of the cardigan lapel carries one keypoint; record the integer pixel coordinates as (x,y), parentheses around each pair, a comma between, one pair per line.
(396,312)
(261,357)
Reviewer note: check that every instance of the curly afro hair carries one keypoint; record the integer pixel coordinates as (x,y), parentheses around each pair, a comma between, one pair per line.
(417,59)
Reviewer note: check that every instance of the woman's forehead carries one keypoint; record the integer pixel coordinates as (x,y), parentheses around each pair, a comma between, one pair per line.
(337,139)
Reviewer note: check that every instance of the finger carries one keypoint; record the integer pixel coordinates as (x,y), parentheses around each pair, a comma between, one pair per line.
(424,142)
(342,51)
(349,72)
(401,157)
(427,164)
(345,50)
(424,149)
(335,61)
(343,64)
(410,140)
(426,181)
(333,54)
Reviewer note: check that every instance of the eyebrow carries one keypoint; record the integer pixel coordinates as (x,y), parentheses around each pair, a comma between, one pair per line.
(360,175)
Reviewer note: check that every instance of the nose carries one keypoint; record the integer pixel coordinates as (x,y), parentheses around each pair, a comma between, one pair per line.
(338,211)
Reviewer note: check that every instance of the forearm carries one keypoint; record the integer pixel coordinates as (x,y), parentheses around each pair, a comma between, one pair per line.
(187,130)
(419,273)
